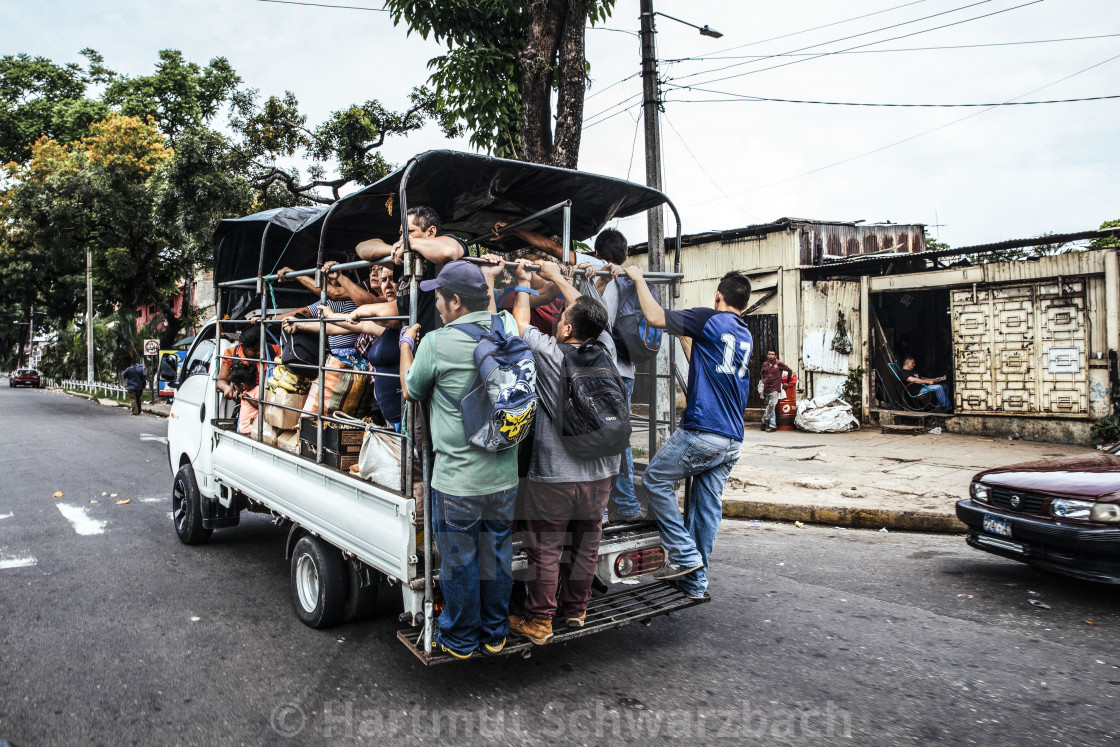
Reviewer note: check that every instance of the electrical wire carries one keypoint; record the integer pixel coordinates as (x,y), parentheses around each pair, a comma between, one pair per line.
(612,85)
(899,49)
(588,118)
(745,98)
(913,137)
(818,28)
(846,38)
(700,165)
(324,5)
(611,116)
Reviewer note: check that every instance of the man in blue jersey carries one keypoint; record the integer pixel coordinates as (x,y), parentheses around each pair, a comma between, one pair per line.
(707,444)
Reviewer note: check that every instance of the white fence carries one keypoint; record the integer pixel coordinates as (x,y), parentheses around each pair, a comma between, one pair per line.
(93,387)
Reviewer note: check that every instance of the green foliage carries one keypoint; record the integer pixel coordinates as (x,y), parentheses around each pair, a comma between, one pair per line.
(853,391)
(933,244)
(39,98)
(1112,242)
(1106,430)
(477,84)
(178,95)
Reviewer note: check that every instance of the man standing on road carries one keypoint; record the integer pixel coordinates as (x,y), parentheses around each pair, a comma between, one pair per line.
(473,490)
(707,444)
(134,382)
(772,369)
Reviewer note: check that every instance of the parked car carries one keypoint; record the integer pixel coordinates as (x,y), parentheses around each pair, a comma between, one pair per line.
(1062,515)
(25,377)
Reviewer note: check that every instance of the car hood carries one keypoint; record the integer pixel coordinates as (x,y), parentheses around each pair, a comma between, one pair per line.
(1094,476)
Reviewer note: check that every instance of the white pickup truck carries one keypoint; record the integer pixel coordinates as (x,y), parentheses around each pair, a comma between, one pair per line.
(350,539)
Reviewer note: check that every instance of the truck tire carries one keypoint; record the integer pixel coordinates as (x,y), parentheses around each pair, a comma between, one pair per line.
(319,583)
(186,508)
(361,602)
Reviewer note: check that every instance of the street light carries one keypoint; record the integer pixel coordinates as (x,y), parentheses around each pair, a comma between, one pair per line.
(705,30)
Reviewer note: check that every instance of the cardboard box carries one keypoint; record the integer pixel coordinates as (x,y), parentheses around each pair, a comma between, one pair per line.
(341,443)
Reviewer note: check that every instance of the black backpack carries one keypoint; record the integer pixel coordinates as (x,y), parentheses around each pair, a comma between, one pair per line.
(299,352)
(634,338)
(594,420)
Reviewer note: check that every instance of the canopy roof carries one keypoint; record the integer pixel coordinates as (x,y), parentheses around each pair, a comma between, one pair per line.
(469,192)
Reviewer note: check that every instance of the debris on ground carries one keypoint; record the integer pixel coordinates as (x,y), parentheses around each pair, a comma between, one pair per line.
(883,529)
(935,431)
(1088,622)
(964,596)
(124,502)
(58,494)
(1040,603)
(799,525)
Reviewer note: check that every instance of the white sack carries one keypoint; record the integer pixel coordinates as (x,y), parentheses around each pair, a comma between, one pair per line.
(825,414)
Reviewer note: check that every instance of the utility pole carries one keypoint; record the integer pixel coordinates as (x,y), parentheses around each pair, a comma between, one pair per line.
(651,109)
(31,341)
(89,314)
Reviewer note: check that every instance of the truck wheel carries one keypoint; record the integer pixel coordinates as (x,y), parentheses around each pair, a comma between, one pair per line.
(319,582)
(361,602)
(186,508)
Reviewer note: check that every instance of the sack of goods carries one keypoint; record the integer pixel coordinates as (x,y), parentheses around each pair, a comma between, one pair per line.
(342,391)
(635,339)
(499,407)
(286,439)
(594,422)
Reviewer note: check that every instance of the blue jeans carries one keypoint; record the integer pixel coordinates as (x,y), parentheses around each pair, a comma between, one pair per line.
(624,500)
(939,394)
(770,417)
(473,534)
(707,458)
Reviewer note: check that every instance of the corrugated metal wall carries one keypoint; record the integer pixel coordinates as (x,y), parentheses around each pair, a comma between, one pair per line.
(843,240)
(822,302)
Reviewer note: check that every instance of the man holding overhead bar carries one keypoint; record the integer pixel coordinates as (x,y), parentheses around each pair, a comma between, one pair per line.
(707,444)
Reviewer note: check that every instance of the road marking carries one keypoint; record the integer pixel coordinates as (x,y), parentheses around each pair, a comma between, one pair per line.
(145,500)
(6,516)
(153,437)
(17,562)
(82,522)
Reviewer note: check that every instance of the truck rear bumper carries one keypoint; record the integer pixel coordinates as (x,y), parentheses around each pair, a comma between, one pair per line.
(610,611)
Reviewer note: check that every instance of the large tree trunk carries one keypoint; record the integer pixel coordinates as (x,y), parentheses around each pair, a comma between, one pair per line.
(572,85)
(546,21)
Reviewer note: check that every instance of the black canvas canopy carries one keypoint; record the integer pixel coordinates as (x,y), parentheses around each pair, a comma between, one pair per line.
(469,192)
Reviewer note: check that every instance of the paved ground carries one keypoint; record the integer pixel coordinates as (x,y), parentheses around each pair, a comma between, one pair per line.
(864,479)
(114,633)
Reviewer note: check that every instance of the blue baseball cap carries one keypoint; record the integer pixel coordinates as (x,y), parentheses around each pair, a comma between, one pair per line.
(460,277)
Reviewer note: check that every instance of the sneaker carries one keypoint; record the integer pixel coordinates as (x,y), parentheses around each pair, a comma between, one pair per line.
(671,570)
(537,631)
(576,622)
(771,429)
(437,646)
(614,517)
(690,594)
(493,649)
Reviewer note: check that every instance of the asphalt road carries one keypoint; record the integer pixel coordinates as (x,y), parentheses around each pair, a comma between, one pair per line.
(114,633)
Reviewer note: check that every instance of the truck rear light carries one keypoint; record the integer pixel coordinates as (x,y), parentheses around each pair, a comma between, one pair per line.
(639,561)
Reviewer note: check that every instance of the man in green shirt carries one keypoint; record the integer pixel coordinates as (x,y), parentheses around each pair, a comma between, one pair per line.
(473,490)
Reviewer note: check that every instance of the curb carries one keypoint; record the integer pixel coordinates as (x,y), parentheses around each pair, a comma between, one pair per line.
(108,402)
(854,518)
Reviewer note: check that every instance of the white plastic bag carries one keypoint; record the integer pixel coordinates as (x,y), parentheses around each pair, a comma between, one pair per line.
(379,460)
(826,414)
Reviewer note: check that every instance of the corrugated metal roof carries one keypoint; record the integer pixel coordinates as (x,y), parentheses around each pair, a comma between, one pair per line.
(860,264)
(762,229)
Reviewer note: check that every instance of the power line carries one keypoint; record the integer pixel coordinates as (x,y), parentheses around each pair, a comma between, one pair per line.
(915,136)
(611,116)
(818,28)
(601,112)
(898,49)
(735,97)
(612,85)
(324,5)
(845,38)
(700,165)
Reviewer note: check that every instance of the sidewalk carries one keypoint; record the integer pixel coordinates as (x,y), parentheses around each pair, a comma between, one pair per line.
(866,479)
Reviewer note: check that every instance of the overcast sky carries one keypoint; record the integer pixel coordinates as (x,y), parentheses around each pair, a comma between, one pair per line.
(982,174)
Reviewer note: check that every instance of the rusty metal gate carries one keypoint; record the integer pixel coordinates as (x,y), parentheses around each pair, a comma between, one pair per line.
(764,330)
(1021,349)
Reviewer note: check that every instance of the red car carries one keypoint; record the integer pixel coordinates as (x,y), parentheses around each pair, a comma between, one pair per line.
(25,377)
(1059,514)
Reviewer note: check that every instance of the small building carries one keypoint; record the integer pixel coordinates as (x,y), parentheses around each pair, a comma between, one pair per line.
(1029,347)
